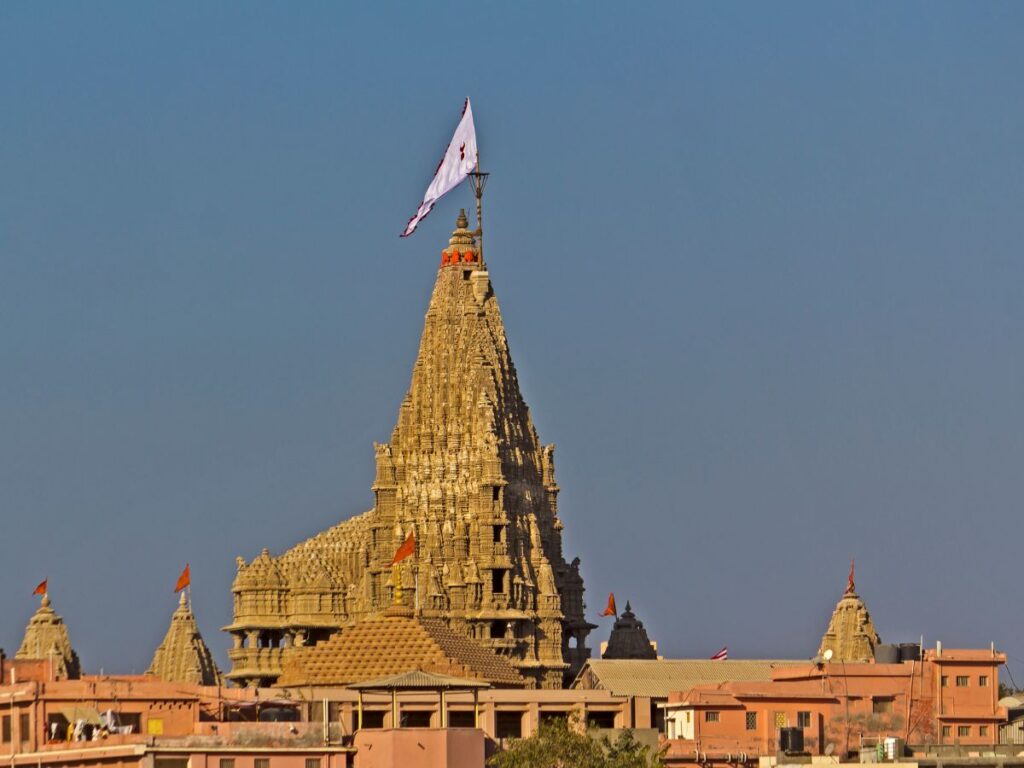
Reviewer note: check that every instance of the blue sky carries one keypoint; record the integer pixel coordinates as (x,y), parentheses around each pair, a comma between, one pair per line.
(759,265)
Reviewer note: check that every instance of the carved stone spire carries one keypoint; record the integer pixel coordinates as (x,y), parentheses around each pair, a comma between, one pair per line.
(183,656)
(466,471)
(851,635)
(46,637)
(628,639)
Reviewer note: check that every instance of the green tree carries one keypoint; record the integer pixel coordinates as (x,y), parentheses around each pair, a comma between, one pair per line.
(561,744)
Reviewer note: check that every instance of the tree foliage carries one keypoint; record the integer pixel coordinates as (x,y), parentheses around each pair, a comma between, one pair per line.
(561,744)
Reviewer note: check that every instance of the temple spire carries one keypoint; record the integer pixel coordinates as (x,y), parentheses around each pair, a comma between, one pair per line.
(183,656)
(850,635)
(46,637)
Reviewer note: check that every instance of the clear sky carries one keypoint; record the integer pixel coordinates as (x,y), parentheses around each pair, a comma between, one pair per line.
(760,267)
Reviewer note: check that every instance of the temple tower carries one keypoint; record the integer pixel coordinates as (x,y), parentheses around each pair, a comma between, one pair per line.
(629,639)
(183,656)
(46,637)
(851,635)
(465,473)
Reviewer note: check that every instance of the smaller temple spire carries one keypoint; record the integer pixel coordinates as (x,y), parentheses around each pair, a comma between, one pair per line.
(183,656)
(851,635)
(46,637)
(628,639)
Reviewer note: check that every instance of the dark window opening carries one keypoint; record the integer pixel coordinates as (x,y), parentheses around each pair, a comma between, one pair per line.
(495,493)
(23,727)
(497,533)
(415,718)
(372,718)
(227,762)
(803,719)
(751,721)
(460,718)
(881,706)
(498,629)
(498,582)
(312,762)
(601,719)
(261,762)
(508,725)
(5,728)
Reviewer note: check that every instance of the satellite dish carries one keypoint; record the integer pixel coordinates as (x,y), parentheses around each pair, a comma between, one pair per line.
(828,655)
(830,749)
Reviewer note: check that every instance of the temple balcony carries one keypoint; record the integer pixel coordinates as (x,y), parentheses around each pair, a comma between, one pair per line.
(255,662)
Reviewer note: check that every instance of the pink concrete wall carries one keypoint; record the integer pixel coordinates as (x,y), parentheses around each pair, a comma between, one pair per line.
(420,748)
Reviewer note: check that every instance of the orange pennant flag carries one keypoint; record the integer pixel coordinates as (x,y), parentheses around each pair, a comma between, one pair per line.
(610,609)
(41,589)
(408,549)
(184,580)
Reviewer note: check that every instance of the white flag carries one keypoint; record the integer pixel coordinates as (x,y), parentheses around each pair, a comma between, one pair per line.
(459,159)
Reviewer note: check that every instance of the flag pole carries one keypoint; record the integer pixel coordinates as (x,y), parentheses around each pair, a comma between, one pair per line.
(479,182)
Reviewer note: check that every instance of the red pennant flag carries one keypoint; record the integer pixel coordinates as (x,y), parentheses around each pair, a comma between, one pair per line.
(41,589)
(610,608)
(849,580)
(184,580)
(722,655)
(408,549)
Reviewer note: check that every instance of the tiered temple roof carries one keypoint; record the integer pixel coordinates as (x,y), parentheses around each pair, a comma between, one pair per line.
(628,639)
(46,638)
(183,656)
(465,473)
(851,635)
(386,645)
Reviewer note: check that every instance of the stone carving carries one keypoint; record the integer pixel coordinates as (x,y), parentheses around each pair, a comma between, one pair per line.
(183,656)
(46,637)
(464,470)
(851,635)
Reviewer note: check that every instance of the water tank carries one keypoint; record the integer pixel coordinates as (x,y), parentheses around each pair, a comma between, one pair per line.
(887,653)
(910,652)
(791,740)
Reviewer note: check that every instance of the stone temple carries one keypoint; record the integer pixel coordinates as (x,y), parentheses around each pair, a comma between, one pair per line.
(466,475)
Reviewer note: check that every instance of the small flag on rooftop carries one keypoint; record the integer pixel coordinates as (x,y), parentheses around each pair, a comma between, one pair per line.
(184,580)
(722,655)
(408,549)
(40,588)
(610,608)
(459,160)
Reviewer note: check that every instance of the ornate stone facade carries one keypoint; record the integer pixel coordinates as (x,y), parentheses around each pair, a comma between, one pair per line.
(183,656)
(46,637)
(851,635)
(465,473)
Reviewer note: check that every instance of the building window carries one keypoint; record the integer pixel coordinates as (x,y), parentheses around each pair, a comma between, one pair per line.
(372,718)
(710,717)
(227,762)
(600,719)
(947,731)
(463,718)
(23,727)
(803,719)
(983,730)
(944,681)
(498,581)
(261,762)
(411,718)
(780,720)
(963,730)
(881,706)
(983,681)
(508,725)
(5,729)
(751,721)
(312,762)
(962,681)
